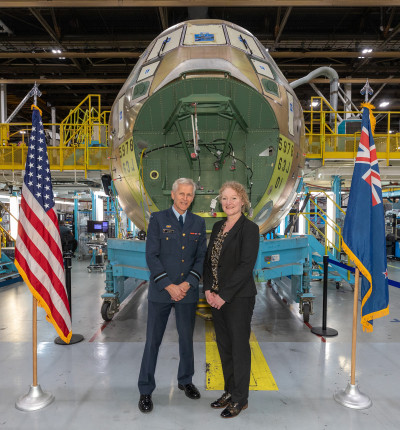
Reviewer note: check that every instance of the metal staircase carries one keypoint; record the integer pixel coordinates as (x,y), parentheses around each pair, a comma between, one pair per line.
(320,244)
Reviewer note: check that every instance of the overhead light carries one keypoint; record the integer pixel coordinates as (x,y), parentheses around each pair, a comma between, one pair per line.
(314,103)
(56,51)
(384,104)
(360,57)
(22,131)
(366,50)
(62,202)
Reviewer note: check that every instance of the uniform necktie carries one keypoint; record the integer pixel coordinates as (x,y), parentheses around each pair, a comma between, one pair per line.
(181,220)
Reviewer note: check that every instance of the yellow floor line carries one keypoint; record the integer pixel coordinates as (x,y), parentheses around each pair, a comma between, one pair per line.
(261,378)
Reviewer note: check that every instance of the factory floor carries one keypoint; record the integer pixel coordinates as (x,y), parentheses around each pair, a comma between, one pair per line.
(95,381)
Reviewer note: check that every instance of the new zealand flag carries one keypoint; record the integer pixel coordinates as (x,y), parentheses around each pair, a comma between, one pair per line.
(364,228)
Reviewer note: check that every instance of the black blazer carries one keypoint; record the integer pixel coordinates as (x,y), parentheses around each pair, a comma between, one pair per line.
(236,262)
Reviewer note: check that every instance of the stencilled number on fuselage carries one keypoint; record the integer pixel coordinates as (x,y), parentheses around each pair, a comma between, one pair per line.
(127,154)
(284,160)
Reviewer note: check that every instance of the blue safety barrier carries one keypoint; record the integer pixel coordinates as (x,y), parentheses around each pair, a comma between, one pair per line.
(352,270)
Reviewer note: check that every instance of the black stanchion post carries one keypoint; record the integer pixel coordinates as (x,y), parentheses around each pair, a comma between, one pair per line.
(75,338)
(324,330)
(325,292)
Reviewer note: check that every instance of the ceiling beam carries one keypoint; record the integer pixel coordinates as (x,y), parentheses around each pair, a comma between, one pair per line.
(274,54)
(52,34)
(192,3)
(334,54)
(281,27)
(163,12)
(115,81)
(70,54)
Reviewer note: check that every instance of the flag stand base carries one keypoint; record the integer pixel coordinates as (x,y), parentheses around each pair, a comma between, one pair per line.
(327,331)
(351,397)
(35,399)
(75,338)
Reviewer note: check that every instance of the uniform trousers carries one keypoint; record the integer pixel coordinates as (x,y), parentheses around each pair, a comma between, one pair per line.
(158,313)
(232,324)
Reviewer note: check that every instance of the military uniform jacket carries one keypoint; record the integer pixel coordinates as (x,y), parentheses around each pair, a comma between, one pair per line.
(236,262)
(175,254)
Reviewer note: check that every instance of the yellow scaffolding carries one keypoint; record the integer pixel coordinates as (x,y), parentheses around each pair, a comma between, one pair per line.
(84,137)
(83,141)
(325,143)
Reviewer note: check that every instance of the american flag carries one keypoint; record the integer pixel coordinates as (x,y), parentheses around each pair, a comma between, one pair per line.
(38,251)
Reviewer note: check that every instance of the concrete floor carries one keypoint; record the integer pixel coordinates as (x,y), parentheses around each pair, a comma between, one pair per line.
(94,382)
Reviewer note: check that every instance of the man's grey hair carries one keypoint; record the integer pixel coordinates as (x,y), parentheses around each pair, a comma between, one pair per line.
(183,181)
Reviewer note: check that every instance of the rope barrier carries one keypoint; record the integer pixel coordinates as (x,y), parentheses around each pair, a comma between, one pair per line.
(352,270)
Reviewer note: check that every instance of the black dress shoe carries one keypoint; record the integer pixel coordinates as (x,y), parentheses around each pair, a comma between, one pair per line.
(145,403)
(190,390)
(223,401)
(232,410)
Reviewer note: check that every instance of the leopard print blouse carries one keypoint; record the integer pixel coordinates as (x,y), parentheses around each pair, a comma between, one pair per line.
(215,253)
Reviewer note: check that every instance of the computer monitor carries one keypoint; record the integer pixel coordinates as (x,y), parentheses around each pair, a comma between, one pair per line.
(97,226)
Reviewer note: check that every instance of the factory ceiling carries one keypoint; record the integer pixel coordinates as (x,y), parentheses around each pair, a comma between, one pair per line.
(77,47)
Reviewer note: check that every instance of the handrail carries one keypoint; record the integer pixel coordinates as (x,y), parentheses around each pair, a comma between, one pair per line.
(83,115)
(330,198)
(327,241)
(3,230)
(327,217)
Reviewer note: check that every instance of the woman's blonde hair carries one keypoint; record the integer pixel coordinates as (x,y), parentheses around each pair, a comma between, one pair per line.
(240,191)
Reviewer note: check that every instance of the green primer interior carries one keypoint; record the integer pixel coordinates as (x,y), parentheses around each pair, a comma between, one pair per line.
(156,130)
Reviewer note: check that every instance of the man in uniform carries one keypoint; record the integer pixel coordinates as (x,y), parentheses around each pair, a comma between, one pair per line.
(175,250)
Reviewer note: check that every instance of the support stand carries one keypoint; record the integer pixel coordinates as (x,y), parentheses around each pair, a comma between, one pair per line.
(34,400)
(324,330)
(75,338)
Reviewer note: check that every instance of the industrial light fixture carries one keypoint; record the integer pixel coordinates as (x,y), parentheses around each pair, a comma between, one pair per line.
(366,50)
(314,103)
(58,51)
(62,202)
(384,104)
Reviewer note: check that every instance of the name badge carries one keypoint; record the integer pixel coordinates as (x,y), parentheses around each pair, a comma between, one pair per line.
(168,230)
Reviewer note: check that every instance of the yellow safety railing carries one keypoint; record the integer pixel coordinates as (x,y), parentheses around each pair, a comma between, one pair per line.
(328,222)
(5,234)
(329,198)
(73,129)
(326,143)
(83,143)
(329,245)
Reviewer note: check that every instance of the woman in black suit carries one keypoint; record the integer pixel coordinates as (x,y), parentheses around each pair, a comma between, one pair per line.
(230,291)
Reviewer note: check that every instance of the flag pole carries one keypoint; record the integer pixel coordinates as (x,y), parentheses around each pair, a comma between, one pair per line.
(354,334)
(36,398)
(34,341)
(351,397)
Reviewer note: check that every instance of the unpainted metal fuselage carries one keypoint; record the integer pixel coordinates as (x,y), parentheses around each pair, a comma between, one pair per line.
(207,101)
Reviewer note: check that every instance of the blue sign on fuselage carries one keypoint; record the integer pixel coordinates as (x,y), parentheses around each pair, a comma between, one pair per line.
(204,37)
